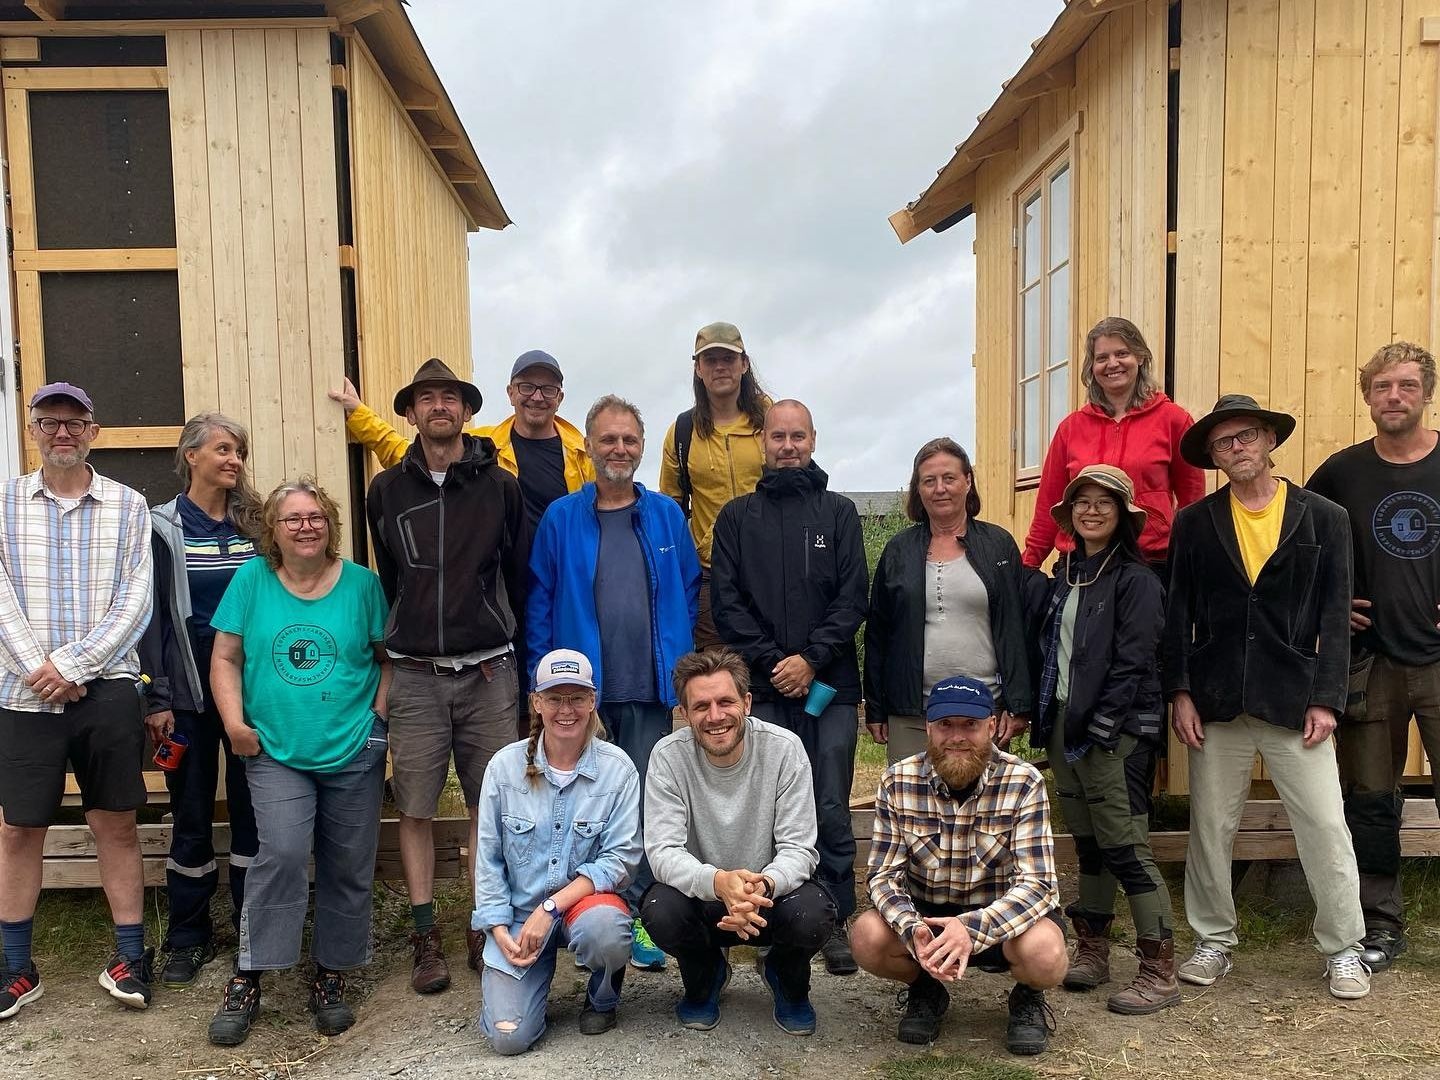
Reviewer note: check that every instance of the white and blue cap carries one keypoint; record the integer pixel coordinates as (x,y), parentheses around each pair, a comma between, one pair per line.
(564,667)
(959,695)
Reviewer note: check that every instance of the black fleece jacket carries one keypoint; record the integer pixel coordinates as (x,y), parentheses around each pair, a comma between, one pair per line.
(788,576)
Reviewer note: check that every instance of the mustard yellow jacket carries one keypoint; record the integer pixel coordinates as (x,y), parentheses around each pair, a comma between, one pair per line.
(726,464)
(376,435)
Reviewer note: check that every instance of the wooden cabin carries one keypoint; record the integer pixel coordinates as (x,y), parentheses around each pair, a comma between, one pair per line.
(230,205)
(1252,182)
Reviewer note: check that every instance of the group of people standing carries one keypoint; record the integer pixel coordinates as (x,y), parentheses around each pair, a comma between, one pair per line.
(597,828)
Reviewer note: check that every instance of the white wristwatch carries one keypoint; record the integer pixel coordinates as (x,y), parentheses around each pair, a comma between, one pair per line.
(549,908)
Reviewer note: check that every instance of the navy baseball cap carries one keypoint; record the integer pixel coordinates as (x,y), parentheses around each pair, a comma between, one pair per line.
(959,695)
(536,358)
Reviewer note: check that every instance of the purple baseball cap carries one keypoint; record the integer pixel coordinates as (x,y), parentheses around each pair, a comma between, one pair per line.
(63,389)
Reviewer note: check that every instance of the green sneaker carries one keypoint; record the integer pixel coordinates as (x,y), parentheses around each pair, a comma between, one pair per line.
(644,954)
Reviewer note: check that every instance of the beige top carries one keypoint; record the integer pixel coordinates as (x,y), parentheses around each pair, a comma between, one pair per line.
(957,625)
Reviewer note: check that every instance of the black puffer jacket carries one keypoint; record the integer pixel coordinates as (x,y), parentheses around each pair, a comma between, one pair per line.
(787,577)
(452,557)
(895,629)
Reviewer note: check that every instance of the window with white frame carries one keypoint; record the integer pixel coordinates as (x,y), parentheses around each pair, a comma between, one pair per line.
(1043,343)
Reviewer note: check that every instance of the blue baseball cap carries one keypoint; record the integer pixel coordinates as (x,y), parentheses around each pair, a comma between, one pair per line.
(536,358)
(959,695)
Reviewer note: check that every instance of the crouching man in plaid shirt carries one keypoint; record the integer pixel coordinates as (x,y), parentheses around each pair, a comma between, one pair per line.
(962,873)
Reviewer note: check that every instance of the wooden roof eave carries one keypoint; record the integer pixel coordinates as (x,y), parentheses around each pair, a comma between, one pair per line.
(1050,66)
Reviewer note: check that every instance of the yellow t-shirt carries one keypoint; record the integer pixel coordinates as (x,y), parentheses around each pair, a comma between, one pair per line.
(1258,531)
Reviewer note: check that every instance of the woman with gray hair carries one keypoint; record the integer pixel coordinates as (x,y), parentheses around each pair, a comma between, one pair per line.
(200,539)
(300,678)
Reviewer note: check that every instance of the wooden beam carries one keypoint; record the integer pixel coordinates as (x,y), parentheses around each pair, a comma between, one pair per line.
(1058,76)
(413,97)
(1104,7)
(1430,30)
(1002,142)
(347,256)
(19,49)
(352,11)
(79,260)
(153,27)
(96,78)
(1175,59)
(460,175)
(49,10)
(443,140)
(934,208)
(340,77)
(137,438)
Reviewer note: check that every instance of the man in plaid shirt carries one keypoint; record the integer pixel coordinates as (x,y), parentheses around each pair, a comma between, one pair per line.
(962,872)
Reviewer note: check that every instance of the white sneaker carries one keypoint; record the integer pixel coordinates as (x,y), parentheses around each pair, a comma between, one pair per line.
(1205,967)
(1348,976)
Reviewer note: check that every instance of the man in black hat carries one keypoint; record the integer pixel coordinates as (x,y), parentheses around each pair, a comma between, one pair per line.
(451,546)
(1255,659)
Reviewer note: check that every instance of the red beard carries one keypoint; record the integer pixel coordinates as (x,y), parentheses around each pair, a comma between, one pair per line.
(958,768)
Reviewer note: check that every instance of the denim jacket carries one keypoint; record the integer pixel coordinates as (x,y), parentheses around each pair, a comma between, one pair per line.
(532,841)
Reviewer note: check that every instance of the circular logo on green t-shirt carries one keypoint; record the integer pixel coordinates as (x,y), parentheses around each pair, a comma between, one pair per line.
(304,654)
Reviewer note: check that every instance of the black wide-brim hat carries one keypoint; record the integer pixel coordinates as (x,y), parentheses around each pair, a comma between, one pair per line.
(1194,444)
(434,371)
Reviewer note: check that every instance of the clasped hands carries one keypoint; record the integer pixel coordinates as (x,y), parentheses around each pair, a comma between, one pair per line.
(525,950)
(743,892)
(52,687)
(942,947)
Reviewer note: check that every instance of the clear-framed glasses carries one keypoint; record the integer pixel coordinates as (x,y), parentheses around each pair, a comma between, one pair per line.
(74,426)
(1244,438)
(548,391)
(1101,505)
(580,702)
(295,522)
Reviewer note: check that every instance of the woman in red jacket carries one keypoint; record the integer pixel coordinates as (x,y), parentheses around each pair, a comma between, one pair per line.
(1130,423)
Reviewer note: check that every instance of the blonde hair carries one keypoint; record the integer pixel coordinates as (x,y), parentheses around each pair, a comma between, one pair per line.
(1399,352)
(305,485)
(595,730)
(242,504)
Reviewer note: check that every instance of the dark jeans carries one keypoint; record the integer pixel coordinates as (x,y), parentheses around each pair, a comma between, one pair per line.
(191,876)
(685,927)
(635,727)
(829,740)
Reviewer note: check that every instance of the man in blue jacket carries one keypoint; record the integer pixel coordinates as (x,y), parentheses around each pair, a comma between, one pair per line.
(613,567)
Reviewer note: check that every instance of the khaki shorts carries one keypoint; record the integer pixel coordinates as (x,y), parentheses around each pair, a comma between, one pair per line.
(470,714)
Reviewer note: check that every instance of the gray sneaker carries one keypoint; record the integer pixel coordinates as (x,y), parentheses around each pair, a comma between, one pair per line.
(1348,976)
(1206,966)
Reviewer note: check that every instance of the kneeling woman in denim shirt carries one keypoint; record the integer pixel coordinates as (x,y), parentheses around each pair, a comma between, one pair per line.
(559,837)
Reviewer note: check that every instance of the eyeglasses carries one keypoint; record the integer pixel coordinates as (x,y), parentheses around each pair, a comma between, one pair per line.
(1101,505)
(1244,438)
(296,522)
(579,702)
(548,391)
(50,425)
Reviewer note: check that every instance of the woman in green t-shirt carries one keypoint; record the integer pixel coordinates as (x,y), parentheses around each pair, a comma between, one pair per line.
(299,678)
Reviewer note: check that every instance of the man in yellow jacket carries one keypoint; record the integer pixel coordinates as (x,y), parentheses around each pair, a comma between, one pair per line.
(543,452)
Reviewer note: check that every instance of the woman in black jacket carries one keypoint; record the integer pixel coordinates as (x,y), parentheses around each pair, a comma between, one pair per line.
(1100,717)
(946,600)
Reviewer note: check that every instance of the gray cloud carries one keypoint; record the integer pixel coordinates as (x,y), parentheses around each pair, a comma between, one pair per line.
(671,164)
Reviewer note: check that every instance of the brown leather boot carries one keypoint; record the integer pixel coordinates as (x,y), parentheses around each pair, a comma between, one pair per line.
(430,974)
(474,949)
(1090,966)
(1154,986)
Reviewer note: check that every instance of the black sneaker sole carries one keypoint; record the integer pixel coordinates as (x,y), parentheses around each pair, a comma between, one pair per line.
(333,1024)
(841,967)
(916,1037)
(1027,1049)
(229,1035)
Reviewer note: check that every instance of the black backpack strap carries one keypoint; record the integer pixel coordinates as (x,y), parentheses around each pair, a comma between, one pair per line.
(684,432)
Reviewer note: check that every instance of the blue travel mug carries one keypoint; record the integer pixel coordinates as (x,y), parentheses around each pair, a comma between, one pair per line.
(819,698)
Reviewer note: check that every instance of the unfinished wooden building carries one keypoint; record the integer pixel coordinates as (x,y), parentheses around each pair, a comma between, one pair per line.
(232,205)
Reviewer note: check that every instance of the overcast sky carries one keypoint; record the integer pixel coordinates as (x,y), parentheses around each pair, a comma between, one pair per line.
(670,164)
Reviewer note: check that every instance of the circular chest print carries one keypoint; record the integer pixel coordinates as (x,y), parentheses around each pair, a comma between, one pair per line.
(304,655)
(1407,524)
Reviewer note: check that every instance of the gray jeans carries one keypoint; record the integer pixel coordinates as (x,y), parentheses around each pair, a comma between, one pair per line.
(337,816)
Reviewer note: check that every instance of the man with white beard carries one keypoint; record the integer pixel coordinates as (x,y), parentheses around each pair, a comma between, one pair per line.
(613,568)
(962,872)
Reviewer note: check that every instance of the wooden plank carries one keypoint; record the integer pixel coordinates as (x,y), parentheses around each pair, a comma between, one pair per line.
(153,27)
(227,255)
(297,436)
(49,10)
(1430,30)
(129,438)
(1416,230)
(77,841)
(79,260)
(19,49)
(190,164)
(88,78)
(29,327)
(21,169)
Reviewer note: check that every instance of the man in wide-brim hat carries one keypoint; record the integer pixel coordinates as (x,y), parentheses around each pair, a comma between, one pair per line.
(1255,659)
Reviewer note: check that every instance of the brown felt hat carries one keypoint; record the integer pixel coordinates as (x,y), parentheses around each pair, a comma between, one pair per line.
(431,372)
(1108,477)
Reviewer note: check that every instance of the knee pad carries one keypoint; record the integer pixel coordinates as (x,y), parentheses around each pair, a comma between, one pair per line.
(1087,853)
(1374,822)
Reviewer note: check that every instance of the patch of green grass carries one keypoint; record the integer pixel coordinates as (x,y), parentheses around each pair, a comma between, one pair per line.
(952,1067)
(73,930)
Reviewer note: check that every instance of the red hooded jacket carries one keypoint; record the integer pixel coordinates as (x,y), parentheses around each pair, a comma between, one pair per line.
(1145,442)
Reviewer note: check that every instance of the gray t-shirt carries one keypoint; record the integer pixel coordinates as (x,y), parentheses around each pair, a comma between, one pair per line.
(622,602)
(957,625)
(757,815)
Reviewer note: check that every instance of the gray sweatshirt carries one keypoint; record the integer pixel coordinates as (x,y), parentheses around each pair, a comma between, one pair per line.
(758,814)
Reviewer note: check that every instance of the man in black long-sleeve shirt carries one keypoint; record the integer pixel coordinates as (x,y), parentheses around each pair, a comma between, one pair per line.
(789,589)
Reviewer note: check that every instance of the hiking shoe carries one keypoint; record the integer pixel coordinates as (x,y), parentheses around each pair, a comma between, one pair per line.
(430,974)
(327,1002)
(474,949)
(1205,967)
(926,1000)
(644,953)
(703,1015)
(794,1016)
(238,1009)
(18,989)
(128,981)
(1348,976)
(182,965)
(1031,1021)
(1378,948)
(1090,964)
(596,1023)
(1154,986)
(839,960)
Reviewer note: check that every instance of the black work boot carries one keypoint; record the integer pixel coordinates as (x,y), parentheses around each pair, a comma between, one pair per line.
(1031,1021)
(926,1002)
